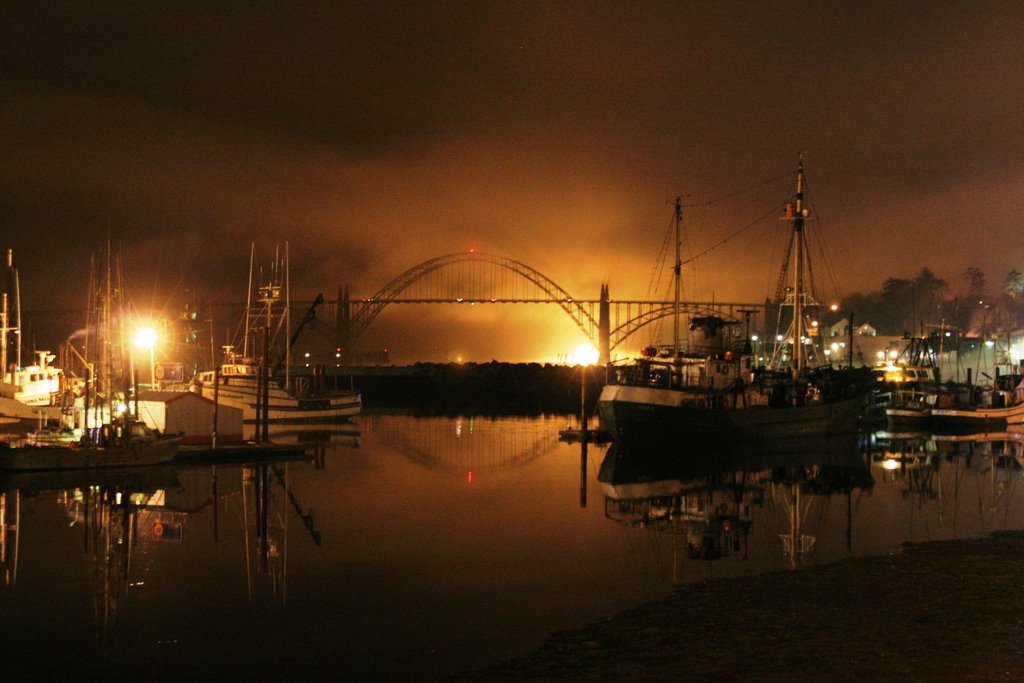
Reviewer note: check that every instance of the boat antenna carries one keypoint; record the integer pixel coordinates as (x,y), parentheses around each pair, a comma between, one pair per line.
(248,303)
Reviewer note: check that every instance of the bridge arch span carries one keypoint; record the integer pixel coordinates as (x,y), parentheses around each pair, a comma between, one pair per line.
(478,278)
(642,319)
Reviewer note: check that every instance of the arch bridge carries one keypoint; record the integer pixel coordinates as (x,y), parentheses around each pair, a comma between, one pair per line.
(476,278)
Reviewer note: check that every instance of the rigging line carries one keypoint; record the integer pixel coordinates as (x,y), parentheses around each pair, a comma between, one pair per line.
(737,192)
(774,210)
(822,247)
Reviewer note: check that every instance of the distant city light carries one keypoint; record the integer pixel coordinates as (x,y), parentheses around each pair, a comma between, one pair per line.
(584,354)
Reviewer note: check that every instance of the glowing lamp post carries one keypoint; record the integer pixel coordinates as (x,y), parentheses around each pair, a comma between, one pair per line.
(145,338)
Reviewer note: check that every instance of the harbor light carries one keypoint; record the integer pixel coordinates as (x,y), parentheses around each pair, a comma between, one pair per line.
(145,338)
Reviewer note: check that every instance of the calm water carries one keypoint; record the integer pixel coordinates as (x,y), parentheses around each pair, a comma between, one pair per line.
(426,546)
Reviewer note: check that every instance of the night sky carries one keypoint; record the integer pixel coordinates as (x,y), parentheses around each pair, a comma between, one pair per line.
(374,136)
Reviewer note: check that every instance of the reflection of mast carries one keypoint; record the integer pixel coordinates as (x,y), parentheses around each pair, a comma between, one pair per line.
(266,529)
(109,534)
(10,524)
(795,543)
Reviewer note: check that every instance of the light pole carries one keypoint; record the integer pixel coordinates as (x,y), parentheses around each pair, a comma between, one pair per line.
(145,337)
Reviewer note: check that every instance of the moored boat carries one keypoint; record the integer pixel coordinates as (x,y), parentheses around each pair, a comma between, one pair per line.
(237,384)
(128,444)
(713,390)
(251,385)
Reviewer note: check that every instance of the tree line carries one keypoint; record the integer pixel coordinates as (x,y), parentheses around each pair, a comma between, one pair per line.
(908,306)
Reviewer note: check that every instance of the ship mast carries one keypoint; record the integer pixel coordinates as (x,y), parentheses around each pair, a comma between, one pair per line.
(677,269)
(799,362)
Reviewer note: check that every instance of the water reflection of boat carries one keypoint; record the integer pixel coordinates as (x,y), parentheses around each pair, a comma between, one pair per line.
(709,494)
(134,478)
(934,469)
(343,433)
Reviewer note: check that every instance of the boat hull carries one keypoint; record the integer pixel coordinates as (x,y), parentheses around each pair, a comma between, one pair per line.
(976,419)
(649,414)
(285,408)
(31,458)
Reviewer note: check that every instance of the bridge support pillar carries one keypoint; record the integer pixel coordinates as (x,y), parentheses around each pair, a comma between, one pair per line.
(604,327)
(344,324)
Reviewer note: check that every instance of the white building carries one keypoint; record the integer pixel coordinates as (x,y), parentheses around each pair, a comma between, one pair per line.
(184,411)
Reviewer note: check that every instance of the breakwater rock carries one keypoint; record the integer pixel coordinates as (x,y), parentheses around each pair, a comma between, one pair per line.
(476,388)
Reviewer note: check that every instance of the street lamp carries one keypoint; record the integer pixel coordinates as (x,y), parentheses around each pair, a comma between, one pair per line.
(145,337)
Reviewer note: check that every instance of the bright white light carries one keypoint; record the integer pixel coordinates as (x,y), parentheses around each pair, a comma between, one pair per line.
(989,343)
(881,354)
(890,464)
(145,338)
(779,338)
(585,354)
(753,338)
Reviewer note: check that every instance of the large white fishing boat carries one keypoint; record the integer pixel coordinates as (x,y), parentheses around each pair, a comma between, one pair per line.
(713,391)
(278,398)
(237,384)
(29,396)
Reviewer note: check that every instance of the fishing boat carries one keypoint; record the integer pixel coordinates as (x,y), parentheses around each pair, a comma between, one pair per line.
(250,384)
(713,391)
(912,385)
(126,443)
(922,401)
(109,435)
(30,394)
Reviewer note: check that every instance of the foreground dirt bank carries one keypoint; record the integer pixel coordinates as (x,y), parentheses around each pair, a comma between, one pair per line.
(942,611)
